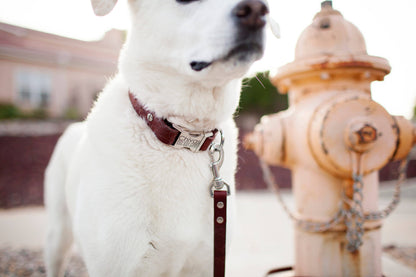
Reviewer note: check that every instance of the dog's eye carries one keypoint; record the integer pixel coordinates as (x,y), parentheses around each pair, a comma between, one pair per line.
(186,1)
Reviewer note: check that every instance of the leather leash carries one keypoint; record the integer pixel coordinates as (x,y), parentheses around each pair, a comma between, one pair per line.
(219,191)
(220,231)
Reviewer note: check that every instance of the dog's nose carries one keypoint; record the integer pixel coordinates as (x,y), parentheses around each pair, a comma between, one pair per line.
(251,14)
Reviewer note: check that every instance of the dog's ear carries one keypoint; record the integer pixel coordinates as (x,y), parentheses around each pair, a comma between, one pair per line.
(103,7)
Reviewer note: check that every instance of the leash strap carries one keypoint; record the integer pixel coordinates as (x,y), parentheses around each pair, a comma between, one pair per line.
(220,228)
(219,192)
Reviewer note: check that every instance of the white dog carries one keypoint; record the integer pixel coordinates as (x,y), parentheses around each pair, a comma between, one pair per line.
(134,205)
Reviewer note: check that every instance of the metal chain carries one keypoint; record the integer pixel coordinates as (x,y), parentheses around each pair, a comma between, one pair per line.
(350,210)
(354,216)
(396,196)
(306,225)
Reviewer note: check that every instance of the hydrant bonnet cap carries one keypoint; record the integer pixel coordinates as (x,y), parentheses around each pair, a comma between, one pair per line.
(330,34)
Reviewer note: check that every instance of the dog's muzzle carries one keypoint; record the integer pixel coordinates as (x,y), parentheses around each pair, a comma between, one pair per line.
(250,18)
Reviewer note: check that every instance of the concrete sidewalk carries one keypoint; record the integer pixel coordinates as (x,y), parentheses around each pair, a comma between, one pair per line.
(263,235)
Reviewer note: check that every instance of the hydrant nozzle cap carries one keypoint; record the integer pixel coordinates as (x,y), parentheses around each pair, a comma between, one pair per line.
(360,135)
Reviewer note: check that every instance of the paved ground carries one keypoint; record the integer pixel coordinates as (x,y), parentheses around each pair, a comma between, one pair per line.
(263,236)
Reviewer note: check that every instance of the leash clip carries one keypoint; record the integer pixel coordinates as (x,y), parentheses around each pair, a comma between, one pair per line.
(216,154)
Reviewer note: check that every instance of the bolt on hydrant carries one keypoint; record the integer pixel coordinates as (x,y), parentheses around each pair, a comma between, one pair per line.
(334,138)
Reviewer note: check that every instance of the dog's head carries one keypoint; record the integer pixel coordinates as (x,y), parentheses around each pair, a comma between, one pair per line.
(199,39)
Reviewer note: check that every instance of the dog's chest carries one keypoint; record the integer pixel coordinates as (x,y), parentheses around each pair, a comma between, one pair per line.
(173,191)
(176,206)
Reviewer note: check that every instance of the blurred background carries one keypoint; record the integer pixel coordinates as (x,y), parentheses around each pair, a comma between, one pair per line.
(56,56)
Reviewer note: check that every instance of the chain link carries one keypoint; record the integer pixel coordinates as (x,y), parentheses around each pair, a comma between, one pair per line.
(306,225)
(354,219)
(350,209)
(396,196)
(354,216)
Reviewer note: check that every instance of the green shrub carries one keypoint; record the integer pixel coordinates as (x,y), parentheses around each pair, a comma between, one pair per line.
(71,113)
(9,111)
(259,96)
(39,113)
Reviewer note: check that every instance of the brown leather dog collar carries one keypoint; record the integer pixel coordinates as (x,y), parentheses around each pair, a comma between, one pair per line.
(171,134)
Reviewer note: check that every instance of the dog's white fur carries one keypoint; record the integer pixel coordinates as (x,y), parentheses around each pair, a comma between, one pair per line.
(135,206)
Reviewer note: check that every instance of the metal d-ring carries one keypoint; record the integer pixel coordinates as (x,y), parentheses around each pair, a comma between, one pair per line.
(224,184)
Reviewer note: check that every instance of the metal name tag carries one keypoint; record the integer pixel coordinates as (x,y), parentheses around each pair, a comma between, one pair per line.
(191,140)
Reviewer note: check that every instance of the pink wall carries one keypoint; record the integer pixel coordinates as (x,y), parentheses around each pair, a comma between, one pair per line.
(70,72)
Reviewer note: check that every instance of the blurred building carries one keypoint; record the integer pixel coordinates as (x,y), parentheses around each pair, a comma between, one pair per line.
(57,74)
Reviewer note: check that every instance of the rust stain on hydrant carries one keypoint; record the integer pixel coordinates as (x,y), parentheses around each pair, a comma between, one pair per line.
(360,136)
(334,138)
(366,134)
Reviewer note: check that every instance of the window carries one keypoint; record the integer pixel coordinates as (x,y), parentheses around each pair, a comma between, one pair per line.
(33,88)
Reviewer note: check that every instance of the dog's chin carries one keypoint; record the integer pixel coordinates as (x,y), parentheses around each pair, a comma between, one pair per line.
(244,53)
(241,55)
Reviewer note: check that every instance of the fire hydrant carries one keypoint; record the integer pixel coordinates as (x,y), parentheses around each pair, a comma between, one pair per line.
(334,138)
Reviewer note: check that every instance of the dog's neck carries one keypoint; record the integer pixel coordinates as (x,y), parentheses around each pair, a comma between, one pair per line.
(188,104)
